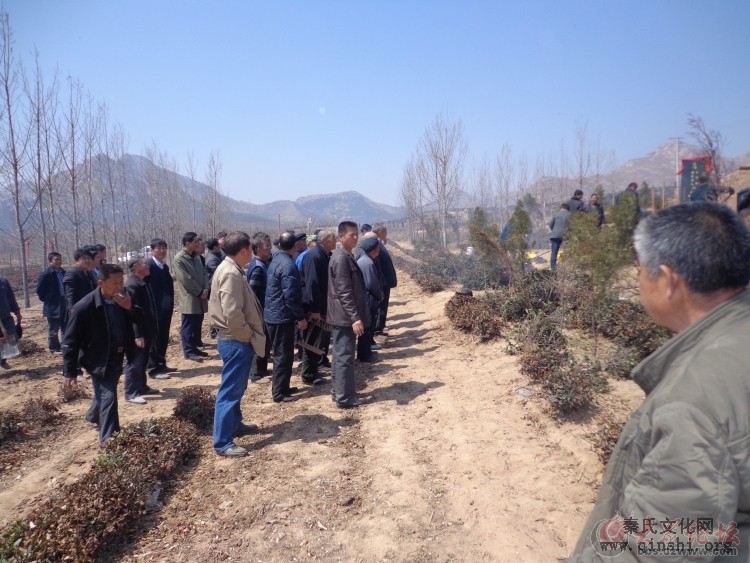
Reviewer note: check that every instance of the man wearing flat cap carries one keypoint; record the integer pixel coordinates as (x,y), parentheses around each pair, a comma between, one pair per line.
(374,288)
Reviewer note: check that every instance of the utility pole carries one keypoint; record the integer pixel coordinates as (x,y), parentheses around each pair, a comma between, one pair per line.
(676,168)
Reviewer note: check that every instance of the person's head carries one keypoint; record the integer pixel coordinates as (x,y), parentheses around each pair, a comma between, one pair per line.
(190,241)
(213,244)
(594,199)
(101,254)
(55,260)
(109,279)
(159,249)
(348,235)
(687,253)
(564,206)
(633,187)
(371,246)
(261,245)
(138,267)
(221,237)
(578,194)
(287,242)
(366,228)
(381,231)
(200,247)
(327,240)
(83,259)
(92,251)
(312,240)
(238,246)
(300,242)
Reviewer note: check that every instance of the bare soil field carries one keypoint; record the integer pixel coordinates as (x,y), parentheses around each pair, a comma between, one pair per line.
(454,458)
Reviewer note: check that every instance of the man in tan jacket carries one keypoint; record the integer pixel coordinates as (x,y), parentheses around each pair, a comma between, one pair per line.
(235,314)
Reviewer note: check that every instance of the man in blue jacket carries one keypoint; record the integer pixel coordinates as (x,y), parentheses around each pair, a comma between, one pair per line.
(283,309)
(51,292)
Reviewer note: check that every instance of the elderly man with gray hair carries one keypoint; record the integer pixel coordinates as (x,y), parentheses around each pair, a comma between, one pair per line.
(679,477)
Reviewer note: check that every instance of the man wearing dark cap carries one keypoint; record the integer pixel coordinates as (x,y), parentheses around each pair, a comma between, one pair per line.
(374,287)
(390,280)
(743,205)
(300,243)
(283,310)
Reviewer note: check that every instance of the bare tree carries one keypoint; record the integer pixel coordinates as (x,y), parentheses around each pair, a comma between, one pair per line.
(504,174)
(442,151)
(191,167)
(710,141)
(214,208)
(14,139)
(69,138)
(484,195)
(582,155)
(412,198)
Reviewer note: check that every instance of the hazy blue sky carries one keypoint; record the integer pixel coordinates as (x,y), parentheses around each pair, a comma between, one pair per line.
(318,97)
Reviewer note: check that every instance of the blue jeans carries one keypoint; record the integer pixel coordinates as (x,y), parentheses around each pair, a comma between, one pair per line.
(238,360)
(556,244)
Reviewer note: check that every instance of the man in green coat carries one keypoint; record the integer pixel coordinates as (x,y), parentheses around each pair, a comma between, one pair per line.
(192,291)
(677,487)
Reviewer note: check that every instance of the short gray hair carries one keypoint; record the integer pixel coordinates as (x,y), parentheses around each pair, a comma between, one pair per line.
(707,244)
(323,234)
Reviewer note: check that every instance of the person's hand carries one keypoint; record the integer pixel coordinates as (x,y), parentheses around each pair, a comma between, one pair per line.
(302,324)
(18,318)
(70,382)
(124,301)
(358,327)
(204,295)
(140,342)
(315,316)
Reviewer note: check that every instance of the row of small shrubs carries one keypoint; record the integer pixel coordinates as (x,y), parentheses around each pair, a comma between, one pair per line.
(88,517)
(85,517)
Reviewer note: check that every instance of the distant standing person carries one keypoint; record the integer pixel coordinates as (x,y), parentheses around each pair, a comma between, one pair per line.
(193,291)
(161,284)
(78,281)
(596,207)
(374,286)
(703,191)
(100,327)
(559,225)
(347,314)
(630,195)
(214,257)
(51,292)
(575,203)
(390,279)
(236,315)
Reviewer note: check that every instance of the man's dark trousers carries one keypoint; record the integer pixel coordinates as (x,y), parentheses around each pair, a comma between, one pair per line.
(158,353)
(342,367)
(190,333)
(135,371)
(383,310)
(103,409)
(311,360)
(282,341)
(53,340)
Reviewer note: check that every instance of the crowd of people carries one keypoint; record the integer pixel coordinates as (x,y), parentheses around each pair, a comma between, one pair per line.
(264,300)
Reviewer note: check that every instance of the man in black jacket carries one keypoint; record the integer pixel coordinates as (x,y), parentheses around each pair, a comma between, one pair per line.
(347,313)
(137,358)
(385,263)
(314,275)
(100,327)
(51,292)
(160,282)
(8,305)
(78,282)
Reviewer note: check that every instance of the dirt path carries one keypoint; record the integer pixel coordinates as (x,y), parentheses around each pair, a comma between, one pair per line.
(447,462)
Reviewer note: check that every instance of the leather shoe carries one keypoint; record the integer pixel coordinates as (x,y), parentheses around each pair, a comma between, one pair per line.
(150,391)
(234,451)
(293,390)
(319,380)
(284,399)
(351,405)
(167,369)
(245,429)
(325,362)
(4,364)
(202,353)
(194,358)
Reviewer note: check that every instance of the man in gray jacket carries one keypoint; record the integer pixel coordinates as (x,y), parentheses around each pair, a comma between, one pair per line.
(347,314)
(559,226)
(679,477)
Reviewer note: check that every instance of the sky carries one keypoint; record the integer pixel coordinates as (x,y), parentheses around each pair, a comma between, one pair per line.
(310,97)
